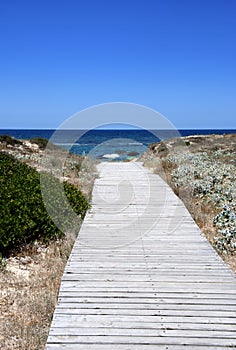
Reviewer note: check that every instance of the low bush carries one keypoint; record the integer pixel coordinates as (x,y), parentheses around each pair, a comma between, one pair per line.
(23,215)
(9,140)
(225,221)
(43,143)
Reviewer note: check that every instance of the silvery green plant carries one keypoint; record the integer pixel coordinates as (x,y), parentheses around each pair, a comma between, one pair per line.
(225,221)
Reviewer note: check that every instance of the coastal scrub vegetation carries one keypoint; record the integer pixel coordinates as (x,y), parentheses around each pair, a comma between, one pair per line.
(34,251)
(43,143)
(23,215)
(201,171)
(9,140)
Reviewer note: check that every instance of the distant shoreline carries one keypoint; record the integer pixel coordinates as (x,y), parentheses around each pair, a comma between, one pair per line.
(97,142)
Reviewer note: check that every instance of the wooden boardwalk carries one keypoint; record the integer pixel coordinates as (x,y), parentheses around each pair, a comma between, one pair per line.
(141,276)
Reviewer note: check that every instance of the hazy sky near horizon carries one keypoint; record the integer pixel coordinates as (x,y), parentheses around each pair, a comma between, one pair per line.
(61,56)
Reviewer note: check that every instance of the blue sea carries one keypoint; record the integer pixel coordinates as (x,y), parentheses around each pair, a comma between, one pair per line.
(108,144)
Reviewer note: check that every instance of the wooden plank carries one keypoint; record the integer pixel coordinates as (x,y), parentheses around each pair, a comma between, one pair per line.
(193,296)
(64,320)
(127,347)
(149,287)
(144,312)
(170,326)
(152,285)
(72,276)
(133,340)
(143,332)
(153,306)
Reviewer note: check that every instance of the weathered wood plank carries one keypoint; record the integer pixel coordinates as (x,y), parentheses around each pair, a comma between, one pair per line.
(73,287)
(143,312)
(127,347)
(71,276)
(151,305)
(194,296)
(203,328)
(63,320)
(133,340)
(143,332)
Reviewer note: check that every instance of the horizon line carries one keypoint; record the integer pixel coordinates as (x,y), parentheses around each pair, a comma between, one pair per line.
(126,129)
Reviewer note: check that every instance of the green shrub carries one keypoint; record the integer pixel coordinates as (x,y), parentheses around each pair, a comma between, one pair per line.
(66,205)
(23,217)
(43,143)
(225,241)
(9,140)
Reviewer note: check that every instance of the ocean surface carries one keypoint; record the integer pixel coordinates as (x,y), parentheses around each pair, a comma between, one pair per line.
(108,144)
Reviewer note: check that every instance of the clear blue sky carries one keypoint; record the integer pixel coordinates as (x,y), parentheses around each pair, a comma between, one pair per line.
(61,56)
